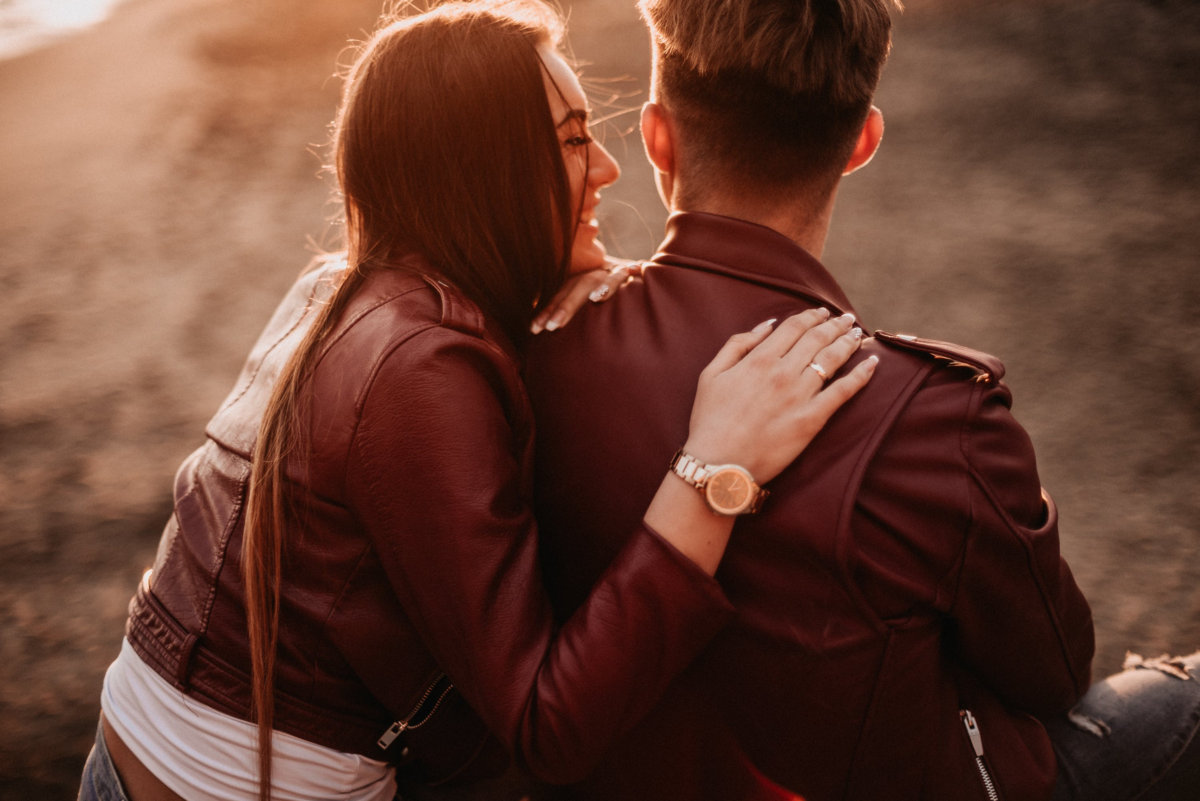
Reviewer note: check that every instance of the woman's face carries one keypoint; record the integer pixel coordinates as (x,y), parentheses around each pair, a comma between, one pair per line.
(590,167)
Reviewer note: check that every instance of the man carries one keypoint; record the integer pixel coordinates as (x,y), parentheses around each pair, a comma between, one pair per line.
(903,610)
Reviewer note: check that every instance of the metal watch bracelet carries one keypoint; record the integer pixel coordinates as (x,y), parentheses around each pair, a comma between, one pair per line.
(728,489)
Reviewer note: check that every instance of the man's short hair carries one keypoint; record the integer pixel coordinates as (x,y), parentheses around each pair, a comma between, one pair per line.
(772,92)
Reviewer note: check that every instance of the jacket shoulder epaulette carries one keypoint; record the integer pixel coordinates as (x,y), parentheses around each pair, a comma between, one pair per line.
(990,368)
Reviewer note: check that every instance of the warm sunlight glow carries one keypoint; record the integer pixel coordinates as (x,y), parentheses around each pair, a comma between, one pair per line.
(26,24)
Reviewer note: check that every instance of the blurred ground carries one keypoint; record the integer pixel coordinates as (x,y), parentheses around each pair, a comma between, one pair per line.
(1037,196)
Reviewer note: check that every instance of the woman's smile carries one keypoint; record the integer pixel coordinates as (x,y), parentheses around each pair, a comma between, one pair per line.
(589,228)
(589,166)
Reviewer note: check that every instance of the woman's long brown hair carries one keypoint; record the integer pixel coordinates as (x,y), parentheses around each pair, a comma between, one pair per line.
(444,147)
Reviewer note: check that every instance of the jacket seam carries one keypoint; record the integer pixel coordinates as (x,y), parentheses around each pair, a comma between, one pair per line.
(235,515)
(873,702)
(1016,531)
(250,382)
(964,436)
(333,606)
(166,558)
(844,541)
(766,281)
(369,384)
(157,630)
(356,318)
(964,445)
(514,379)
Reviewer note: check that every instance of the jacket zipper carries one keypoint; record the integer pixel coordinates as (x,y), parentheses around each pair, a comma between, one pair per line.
(972,726)
(431,699)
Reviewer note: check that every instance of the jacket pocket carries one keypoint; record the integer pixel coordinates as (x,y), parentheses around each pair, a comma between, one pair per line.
(444,742)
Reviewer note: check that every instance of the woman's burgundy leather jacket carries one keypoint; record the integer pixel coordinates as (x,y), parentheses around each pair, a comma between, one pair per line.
(416,556)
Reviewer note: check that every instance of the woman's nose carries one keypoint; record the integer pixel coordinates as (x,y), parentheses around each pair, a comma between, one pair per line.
(602,167)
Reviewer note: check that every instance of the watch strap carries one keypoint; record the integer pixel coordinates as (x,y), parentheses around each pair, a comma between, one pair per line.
(695,472)
(689,468)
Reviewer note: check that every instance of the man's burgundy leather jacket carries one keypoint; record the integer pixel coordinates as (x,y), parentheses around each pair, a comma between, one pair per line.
(904,570)
(415,562)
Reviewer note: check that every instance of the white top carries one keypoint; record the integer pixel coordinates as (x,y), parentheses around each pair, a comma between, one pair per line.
(206,755)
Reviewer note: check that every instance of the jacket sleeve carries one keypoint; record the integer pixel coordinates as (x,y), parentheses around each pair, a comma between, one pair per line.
(951,520)
(435,479)
(1022,624)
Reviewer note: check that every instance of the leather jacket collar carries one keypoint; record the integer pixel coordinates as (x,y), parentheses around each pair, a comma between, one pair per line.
(750,252)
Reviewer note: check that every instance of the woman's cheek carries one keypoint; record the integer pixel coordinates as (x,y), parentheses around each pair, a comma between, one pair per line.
(587,252)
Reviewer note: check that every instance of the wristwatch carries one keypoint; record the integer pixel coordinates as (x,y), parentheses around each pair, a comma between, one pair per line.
(728,489)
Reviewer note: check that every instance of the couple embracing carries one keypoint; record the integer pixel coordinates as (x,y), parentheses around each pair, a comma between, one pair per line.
(378,582)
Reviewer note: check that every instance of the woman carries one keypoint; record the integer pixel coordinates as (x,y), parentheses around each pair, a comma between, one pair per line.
(349,589)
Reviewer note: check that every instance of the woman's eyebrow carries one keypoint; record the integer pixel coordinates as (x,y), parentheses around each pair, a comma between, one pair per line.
(574,114)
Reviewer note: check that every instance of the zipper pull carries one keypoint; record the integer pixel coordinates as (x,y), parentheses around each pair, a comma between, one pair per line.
(972,730)
(389,736)
(404,724)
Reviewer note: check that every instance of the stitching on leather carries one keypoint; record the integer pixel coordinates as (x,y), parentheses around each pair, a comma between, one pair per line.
(254,375)
(372,374)
(344,723)
(223,542)
(356,318)
(175,514)
(307,308)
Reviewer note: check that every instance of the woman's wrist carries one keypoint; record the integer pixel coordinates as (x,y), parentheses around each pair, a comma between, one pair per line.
(713,453)
(681,516)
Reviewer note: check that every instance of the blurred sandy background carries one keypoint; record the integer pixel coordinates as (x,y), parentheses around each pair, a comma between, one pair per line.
(1037,196)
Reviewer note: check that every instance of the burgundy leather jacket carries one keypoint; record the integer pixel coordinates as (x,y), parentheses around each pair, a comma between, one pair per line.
(904,568)
(415,565)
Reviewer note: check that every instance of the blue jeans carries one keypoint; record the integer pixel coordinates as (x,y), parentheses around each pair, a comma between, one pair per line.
(100,781)
(1133,736)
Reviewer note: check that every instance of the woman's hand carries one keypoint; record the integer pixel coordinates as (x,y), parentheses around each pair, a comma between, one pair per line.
(758,405)
(594,285)
(760,402)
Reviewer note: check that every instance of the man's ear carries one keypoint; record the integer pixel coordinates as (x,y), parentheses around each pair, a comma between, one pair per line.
(868,141)
(657,138)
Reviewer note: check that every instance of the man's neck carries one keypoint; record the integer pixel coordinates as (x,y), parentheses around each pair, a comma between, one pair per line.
(794,221)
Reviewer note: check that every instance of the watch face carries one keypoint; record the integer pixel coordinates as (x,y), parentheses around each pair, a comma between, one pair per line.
(729,491)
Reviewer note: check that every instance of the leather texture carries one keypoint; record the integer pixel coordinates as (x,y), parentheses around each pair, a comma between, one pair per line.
(905,566)
(414,552)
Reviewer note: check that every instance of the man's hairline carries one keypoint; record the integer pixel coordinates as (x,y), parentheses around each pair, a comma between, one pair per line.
(801,187)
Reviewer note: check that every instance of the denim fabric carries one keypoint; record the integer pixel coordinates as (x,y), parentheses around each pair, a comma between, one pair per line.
(1132,736)
(100,781)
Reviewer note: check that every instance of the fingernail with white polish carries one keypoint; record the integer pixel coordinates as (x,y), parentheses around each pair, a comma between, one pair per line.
(847,318)
(763,326)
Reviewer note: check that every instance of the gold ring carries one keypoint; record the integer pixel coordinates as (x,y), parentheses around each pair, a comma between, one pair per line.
(819,370)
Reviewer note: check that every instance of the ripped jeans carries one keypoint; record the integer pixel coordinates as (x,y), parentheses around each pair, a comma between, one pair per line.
(1133,736)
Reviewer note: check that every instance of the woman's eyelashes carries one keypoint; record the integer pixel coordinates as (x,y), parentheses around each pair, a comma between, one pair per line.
(579,141)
